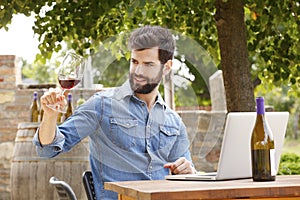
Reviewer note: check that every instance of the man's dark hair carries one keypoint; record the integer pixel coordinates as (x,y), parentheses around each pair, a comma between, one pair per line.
(153,36)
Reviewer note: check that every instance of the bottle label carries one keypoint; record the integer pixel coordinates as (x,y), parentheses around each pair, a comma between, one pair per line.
(272,162)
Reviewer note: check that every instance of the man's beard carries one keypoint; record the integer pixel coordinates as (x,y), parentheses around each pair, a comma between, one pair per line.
(148,87)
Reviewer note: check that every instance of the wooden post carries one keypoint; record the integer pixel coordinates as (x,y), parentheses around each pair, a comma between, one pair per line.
(169,90)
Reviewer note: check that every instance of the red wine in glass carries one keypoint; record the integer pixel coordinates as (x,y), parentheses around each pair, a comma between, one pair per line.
(68,83)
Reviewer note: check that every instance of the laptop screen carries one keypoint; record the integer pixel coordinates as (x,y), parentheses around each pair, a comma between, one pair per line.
(235,157)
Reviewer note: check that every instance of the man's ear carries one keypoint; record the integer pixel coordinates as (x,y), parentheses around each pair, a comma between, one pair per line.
(167,67)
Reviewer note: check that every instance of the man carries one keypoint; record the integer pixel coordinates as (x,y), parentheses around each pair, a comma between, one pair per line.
(133,134)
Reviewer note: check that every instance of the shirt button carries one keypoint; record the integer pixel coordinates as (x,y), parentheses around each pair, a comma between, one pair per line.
(56,148)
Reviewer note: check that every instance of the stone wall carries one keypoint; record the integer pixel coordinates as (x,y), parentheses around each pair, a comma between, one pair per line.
(205,128)
(9,115)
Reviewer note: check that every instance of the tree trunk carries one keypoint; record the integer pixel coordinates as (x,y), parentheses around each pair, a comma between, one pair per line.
(234,55)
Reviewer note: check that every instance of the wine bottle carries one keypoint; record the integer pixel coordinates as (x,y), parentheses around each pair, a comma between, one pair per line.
(262,147)
(69,107)
(34,108)
(59,118)
(41,114)
(81,100)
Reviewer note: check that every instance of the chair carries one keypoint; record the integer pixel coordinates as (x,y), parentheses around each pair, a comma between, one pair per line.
(88,184)
(64,190)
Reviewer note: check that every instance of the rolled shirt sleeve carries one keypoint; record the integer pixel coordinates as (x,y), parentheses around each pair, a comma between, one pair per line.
(49,150)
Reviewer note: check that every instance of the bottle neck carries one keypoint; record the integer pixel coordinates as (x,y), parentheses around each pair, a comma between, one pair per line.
(69,98)
(260,107)
(35,97)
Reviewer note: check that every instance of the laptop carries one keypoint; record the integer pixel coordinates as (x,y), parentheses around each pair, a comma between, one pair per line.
(235,157)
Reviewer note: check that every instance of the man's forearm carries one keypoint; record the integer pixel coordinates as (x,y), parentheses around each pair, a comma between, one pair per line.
(47,130)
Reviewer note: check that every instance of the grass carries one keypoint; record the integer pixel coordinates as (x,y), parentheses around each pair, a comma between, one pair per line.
(291,146)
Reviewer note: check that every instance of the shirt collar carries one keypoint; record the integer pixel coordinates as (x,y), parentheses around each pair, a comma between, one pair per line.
(123,91)
(160,100)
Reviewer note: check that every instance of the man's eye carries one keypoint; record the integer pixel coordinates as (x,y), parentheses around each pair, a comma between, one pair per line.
(134,62)
(149,65)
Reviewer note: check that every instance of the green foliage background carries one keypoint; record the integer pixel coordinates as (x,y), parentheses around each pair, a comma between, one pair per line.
(272,31)
(289,164)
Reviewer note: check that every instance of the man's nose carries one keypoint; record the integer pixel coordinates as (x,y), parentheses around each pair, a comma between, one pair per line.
(139,69)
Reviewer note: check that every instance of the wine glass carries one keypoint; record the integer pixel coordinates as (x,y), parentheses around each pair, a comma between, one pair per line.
(70,74)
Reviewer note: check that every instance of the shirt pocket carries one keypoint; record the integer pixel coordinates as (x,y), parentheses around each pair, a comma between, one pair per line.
(123,132)
(168,136)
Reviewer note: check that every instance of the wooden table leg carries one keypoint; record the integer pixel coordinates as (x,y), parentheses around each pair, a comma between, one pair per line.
(123,197)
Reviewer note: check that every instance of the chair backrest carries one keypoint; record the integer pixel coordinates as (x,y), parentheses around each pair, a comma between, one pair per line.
(88,184)
(64,190)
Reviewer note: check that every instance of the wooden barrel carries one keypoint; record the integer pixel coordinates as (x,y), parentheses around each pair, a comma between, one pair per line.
(30,174)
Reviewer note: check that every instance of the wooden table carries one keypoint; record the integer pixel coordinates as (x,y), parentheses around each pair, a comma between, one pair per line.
(285,187)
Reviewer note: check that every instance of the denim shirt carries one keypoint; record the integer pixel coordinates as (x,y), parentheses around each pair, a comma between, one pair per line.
(127,142)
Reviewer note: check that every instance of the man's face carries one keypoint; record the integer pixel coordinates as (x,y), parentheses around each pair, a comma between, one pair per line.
(145,70)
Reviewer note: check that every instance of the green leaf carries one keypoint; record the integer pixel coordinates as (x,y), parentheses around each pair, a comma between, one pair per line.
(273,38)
